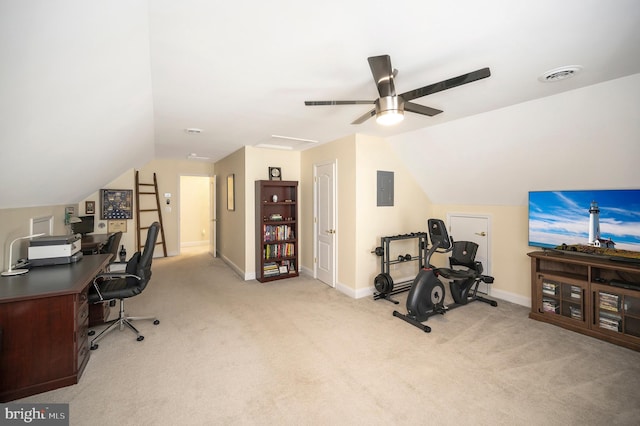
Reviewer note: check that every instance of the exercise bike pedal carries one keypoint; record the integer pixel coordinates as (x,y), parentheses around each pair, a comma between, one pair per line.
(442,309)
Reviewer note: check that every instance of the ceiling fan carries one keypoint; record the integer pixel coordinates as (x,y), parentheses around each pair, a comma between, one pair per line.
(390,107)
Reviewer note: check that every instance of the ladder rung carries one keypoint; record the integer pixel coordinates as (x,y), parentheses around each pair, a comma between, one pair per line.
(146,191)
(158,243)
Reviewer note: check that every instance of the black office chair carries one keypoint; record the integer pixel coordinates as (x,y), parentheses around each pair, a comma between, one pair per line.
(111,247)
(122,285)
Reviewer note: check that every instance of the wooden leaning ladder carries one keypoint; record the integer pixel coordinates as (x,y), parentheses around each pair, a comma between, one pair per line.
(143,189)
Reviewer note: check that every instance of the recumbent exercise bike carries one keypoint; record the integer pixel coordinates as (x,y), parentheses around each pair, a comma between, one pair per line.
(427,293)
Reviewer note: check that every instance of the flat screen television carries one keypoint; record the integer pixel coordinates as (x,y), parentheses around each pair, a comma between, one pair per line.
(85,227)
(592,222)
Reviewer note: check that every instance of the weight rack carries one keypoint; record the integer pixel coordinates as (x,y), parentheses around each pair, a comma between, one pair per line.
(383,282)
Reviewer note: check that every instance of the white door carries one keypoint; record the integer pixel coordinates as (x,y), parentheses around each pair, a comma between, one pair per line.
(474,228)
(212,216)
(325,222)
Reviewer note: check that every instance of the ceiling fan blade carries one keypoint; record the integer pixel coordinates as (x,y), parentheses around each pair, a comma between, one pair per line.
(421,109)
(315,103)
(383,74)
(447,84)
(364,117)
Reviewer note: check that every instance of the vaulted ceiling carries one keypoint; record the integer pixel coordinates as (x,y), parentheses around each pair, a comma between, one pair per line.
(91,89)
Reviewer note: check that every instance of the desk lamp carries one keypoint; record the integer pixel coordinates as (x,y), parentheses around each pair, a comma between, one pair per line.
(11,271)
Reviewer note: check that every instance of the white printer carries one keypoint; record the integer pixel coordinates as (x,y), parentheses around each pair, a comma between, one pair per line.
(55,249)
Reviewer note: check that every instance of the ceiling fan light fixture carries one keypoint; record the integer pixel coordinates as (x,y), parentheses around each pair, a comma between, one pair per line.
(389,110)
(389,117)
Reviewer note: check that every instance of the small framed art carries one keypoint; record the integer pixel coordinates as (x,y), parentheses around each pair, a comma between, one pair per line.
(90,207)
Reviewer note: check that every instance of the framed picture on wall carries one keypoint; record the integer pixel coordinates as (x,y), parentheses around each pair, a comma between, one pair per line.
(116,204)
(116,226)
(231,189)
(90,207)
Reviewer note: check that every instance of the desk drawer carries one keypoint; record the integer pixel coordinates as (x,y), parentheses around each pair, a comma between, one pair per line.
(82,322)
(83,313)
(83,357)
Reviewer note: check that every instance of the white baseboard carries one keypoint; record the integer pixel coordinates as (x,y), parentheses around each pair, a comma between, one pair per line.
(495,293)
(511,297)
(194,243)
(244,275)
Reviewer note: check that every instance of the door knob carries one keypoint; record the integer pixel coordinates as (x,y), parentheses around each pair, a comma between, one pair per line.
(482,234)
(330,231)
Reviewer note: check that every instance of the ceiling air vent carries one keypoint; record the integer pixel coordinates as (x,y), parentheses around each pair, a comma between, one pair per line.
(561,73)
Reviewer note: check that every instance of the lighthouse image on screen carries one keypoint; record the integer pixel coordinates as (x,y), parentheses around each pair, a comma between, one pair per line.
(604,222)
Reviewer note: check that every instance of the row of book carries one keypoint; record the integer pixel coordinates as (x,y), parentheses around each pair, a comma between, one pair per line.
(273,269)
(550,305)
(278,232)
(609,302)
(576,292)
(610,321)
(549,288)
(575,312)
(273,251)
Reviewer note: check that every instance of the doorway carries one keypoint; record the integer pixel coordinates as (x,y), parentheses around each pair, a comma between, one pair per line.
(197,214)
(476,228)
(325,222)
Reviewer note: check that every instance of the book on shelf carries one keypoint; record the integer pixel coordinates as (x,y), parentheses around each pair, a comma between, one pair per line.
(549,288)
(550,305)
(609,302)
(278,232)
(270,269)
(575,312)
(610,324)
(276,251)
(576,292)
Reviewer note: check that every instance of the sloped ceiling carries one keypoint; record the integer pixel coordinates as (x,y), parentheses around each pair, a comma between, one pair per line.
(90,89)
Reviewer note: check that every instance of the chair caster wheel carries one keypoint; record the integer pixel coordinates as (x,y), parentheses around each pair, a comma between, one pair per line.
(494,303)
(140,338)
(91,333)
(156,322)
(94,347)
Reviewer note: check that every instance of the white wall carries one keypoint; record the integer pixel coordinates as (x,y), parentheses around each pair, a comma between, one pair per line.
(194,211)
(486,164)
(76,108)
(582,139)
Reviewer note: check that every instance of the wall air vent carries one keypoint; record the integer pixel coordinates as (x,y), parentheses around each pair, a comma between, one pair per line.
(561,73)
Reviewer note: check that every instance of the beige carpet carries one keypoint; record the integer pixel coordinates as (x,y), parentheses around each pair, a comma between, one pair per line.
(296,352)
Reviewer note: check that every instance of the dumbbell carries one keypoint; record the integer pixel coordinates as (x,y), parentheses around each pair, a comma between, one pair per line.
(379,251)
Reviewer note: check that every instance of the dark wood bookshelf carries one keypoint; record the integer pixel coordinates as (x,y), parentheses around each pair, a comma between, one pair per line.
(276,230)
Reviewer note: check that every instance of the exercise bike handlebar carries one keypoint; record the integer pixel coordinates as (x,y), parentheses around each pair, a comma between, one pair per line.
(436,248)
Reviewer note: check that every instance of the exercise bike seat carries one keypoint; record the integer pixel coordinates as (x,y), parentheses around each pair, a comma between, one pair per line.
(463,253)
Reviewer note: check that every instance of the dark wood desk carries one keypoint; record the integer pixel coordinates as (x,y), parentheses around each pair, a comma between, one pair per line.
(44,317)
(92,243)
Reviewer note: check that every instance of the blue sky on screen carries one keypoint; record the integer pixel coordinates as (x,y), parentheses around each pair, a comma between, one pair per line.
(563,217)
